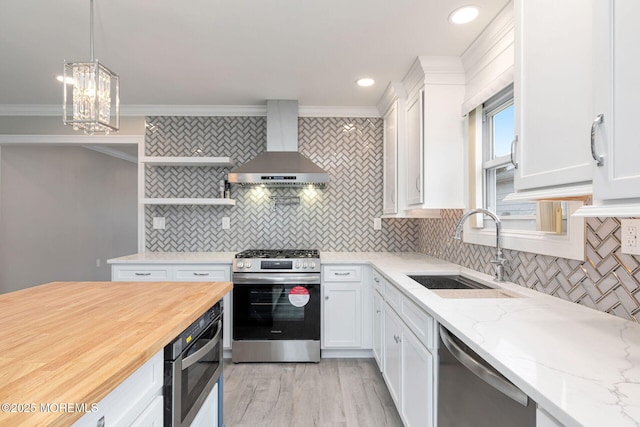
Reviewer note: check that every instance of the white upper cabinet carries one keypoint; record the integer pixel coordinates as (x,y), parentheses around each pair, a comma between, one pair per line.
(390,168)
(553,93)
(617,90)
(434,134)
(392,106)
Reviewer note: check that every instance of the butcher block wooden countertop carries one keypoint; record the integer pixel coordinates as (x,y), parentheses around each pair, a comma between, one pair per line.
(74,342)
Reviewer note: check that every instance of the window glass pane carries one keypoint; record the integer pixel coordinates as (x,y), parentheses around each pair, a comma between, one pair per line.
(503,123)
(504,186)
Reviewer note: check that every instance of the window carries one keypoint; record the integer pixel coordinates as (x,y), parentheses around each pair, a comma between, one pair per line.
(543,227)
(498,169)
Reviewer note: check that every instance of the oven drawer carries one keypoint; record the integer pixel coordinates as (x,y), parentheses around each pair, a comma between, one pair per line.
(141,273)
(201,273)
(346,273)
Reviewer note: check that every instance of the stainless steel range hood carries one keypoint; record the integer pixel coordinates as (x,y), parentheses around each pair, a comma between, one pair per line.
(281,165)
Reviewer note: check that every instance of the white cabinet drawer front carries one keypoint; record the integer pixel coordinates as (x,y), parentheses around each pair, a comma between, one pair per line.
(201,273)
(347,273)
(420,323)
(140,273)
(393,296)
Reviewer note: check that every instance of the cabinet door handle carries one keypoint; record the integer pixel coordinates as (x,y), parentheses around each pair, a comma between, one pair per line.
(327,297)
(200,274)
(513,146)
(393,196)
(599,159)
(376,279)
(142,274)
(418,184)
(378,311)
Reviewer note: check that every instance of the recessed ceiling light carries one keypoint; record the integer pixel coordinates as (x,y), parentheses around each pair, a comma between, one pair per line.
(61,78)
(365,82)
(464,14)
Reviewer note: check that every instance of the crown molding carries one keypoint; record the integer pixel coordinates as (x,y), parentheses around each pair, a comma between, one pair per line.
(70,139)
(195,110)
(112,152)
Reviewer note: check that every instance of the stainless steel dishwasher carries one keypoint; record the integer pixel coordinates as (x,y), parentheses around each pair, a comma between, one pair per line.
(471,393)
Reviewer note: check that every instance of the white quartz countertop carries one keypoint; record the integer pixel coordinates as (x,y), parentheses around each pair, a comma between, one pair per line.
(175,258)
(581,365)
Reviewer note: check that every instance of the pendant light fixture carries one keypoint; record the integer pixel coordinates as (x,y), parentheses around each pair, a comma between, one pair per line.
(91,99)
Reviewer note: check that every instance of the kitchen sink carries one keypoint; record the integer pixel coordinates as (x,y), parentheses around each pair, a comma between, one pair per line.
(458,287)
(448,282)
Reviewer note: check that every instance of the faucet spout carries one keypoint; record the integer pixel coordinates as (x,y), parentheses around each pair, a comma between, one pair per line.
(499,261)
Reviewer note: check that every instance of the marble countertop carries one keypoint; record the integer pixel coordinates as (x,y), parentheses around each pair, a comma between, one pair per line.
(581,365)
(175,258)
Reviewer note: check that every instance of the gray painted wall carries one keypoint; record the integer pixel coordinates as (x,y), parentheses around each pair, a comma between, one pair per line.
(61,209)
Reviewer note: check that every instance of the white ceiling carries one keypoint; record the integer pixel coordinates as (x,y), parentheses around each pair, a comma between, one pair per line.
(228,52)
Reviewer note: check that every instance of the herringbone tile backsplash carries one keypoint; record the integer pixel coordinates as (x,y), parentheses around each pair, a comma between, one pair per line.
(607,281)
(338,218)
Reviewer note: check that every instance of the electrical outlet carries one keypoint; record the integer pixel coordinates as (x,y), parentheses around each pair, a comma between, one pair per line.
(158,223)
(629,236)
(226,223)
(377,223)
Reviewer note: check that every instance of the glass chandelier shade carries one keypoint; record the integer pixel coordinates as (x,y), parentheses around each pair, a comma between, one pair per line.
(91,99)
(92,102)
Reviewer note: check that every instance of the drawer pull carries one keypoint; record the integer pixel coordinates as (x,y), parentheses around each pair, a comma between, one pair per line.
(142,274)
(200,274)
(376,279)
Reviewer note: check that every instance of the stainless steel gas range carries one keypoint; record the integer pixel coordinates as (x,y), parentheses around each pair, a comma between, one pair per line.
(276,306)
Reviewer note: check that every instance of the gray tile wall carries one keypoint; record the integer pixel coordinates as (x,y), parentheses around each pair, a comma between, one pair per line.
(338,218)
(608,280)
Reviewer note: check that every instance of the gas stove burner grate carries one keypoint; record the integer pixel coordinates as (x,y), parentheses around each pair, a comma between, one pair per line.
(279,253)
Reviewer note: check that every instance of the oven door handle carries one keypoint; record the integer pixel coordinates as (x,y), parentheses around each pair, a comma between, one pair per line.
(199,355)
(271,279)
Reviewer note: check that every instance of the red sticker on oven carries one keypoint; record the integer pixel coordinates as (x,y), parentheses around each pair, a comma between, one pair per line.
(298,296)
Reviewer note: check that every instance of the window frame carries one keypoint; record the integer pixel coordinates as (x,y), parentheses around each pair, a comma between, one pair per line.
(570,245)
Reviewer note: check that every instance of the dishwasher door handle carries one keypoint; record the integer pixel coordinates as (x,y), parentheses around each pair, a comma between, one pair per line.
(495,381)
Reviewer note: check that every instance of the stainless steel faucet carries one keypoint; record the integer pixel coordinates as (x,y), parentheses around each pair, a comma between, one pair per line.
(499,261)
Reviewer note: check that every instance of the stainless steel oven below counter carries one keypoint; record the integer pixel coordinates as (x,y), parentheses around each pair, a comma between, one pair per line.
(276,307)
(192,367)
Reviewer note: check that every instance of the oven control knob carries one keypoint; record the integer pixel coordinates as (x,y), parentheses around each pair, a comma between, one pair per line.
(240,264)
(312,265)
(304,264)
(297,264)
(248,264)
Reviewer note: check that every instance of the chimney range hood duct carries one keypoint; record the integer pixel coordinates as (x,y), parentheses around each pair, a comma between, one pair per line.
(281,165)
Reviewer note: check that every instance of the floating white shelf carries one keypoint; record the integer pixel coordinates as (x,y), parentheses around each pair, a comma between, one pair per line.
(188,201)
(188,161)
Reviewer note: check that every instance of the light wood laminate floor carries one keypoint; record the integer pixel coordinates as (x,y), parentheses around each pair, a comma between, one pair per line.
(334,392)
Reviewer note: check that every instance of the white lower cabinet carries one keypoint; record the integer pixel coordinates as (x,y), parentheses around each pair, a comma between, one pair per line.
(417,381)
(152,272)
(393,355)
(342,314)
(378,330)
(347,294)
(208,414)
(408,364)
(136,401)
